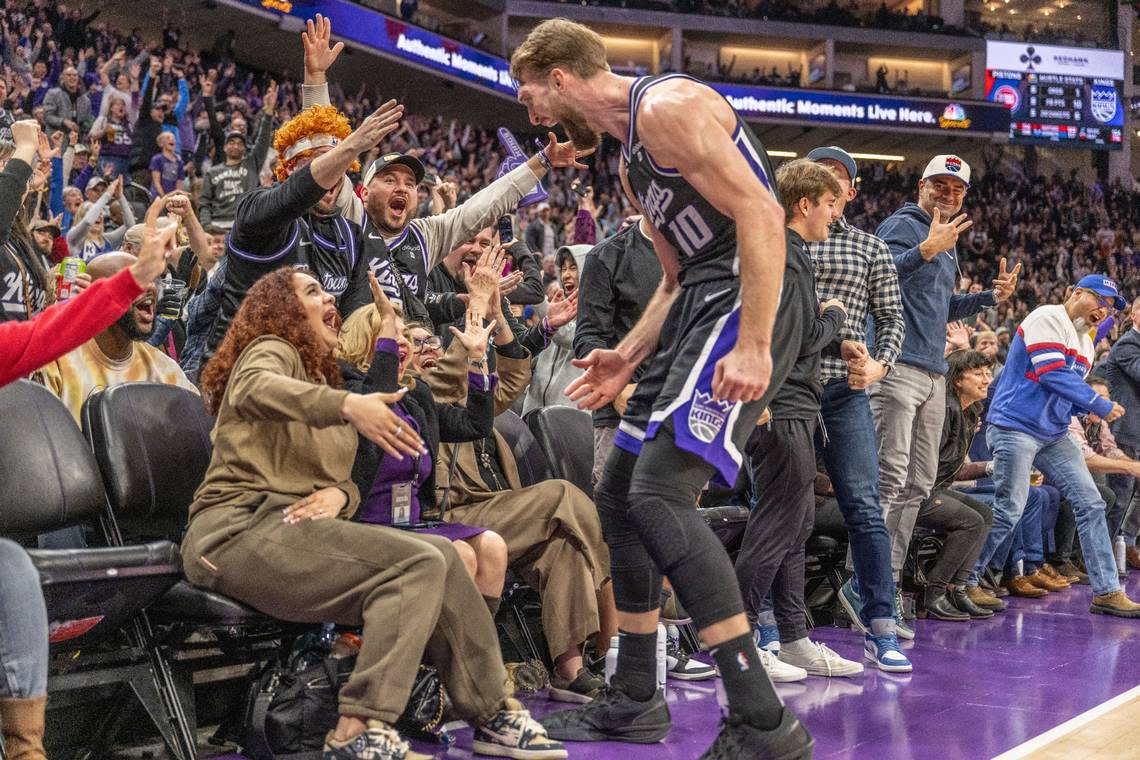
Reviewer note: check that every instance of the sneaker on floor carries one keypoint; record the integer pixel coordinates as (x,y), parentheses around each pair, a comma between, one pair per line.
(883,652)
(1117,604)
(377,742)
(823,661)
(780,672)
(739,740)
(852,605)
(612,716)
(1051,572)
(580,689)
(511,732)
(681,666)
(903,628)
(768,637)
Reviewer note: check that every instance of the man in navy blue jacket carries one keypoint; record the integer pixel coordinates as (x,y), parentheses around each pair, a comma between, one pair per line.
(1122,369)
(910,403)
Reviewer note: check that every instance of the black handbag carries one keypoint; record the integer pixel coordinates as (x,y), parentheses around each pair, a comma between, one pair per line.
(290,707)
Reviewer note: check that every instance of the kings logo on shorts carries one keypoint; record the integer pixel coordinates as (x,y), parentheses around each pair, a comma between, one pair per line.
(707,416)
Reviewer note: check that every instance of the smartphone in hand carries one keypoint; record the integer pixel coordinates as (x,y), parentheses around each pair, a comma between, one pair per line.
(506,230)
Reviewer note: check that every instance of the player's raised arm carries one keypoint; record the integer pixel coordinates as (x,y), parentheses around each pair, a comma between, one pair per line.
(690,129)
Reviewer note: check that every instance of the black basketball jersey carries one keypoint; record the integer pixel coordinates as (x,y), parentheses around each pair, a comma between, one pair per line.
(703,236)
(409,254)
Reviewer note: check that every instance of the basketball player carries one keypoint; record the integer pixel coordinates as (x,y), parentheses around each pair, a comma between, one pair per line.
(696,169)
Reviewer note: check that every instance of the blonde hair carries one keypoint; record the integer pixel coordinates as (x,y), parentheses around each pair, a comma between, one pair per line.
(358,335)
(804,178)
(559,43)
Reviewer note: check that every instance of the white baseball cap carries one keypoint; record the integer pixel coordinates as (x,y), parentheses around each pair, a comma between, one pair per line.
(948,165)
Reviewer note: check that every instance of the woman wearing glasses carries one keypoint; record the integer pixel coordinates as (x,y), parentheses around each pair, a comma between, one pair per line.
(380,353)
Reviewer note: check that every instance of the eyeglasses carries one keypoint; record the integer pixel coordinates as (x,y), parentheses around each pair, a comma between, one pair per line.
(433,343)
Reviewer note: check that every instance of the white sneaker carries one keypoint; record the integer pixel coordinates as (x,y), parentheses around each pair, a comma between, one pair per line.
(823,661)
(780,672)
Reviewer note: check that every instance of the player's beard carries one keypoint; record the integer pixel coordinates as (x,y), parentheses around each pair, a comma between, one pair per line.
(579,131)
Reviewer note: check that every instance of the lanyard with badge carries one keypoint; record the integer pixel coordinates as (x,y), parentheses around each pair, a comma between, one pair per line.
(402,495)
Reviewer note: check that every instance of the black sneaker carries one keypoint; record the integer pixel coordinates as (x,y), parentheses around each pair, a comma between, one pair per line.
(612,716)
(742,741)
(580,689)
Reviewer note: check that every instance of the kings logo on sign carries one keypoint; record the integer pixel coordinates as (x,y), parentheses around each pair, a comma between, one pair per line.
(1104,103)
(707,416)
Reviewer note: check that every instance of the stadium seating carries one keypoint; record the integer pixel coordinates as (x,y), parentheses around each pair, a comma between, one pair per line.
(95,596)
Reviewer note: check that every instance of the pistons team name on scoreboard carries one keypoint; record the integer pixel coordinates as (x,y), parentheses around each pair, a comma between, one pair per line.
(1067,96)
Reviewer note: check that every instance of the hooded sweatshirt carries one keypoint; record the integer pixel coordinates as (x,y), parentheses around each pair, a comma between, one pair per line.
(929,300)
(553,370)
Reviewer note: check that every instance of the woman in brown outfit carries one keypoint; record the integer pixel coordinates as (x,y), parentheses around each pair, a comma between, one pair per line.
(259,531)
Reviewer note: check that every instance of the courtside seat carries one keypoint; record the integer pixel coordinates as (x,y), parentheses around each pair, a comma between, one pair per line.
(95,596)
(566,436)
(152,444)
(529,457)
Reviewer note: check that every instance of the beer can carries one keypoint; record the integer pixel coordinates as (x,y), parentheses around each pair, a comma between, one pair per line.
(69,270)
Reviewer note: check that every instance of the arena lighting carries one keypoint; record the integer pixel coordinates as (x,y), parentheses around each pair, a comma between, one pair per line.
(782,154)
(878,156)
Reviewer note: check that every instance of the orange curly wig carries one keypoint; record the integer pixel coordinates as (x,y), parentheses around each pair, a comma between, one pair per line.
(314,120)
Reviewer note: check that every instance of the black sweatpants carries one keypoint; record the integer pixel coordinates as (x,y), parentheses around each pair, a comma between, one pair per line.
(772,553)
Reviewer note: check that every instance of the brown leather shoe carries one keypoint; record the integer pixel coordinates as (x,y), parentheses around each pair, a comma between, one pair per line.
(983,599)
(1040,580)
(1019,585)
(1117,603)
(1070,570)
(1132,556)
(1052,573)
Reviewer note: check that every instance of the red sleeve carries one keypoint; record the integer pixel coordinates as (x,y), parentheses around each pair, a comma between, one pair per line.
(27,346)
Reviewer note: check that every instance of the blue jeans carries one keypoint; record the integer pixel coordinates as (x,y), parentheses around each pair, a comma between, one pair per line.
(23,626)
(1060,460)
(850,453)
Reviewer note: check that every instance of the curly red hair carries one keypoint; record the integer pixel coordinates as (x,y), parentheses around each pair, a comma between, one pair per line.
(271,307)
(314,120)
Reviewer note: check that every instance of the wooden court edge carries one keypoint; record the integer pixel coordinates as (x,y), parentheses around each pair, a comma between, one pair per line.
(1069,738)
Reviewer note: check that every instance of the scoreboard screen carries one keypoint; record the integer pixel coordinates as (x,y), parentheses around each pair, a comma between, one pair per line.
(1064,96)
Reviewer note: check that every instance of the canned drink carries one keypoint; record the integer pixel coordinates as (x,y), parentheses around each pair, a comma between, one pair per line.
(69,271)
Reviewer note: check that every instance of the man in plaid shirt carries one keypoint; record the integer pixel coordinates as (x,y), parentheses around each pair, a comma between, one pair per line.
(856,267)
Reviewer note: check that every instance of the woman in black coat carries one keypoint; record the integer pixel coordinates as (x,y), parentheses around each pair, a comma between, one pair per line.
(401,491)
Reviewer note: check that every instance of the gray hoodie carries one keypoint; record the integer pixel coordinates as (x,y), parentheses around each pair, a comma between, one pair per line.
(552,369)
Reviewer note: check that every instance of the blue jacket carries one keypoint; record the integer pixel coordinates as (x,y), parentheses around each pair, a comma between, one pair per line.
(929,300)
(1122,370)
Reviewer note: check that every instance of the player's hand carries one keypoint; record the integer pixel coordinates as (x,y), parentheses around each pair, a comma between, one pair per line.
(1005,282)
(742,375)
(607,374)
(1116,413)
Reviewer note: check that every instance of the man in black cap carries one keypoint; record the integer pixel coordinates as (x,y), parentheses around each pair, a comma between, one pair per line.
(228,180)
(387,203)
